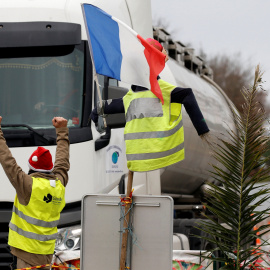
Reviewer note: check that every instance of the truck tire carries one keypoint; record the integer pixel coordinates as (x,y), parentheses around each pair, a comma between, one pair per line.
(190,228)
(180,242)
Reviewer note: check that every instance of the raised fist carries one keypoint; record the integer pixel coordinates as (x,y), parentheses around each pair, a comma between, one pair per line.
(59,122)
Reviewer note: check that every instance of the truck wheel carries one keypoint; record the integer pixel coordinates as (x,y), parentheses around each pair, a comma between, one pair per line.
(190,228)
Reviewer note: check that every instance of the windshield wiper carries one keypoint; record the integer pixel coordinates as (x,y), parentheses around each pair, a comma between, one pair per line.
(48,139)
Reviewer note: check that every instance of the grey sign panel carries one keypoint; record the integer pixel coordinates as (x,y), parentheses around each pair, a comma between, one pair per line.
(152,233)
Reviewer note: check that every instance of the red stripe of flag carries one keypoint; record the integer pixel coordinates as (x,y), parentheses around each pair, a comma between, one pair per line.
(156,62)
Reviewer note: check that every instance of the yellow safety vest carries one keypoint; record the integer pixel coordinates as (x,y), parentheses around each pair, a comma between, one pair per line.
(33,228)
(154,133)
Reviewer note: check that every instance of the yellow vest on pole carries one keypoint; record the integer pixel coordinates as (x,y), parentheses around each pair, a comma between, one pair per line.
(154,134)
(33,228)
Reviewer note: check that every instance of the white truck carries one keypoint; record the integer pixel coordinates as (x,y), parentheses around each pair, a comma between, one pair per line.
(46,70)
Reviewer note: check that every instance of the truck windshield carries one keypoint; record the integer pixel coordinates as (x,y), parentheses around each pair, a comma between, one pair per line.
(35,89)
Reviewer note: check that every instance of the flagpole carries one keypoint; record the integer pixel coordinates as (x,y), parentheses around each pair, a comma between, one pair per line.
(126,223)
(94,68)
(99,94)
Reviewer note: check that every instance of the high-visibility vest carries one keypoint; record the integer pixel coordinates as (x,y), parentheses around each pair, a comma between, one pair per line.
(33,228)
(154,133)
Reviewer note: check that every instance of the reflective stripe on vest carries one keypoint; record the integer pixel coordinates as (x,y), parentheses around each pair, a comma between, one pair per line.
(155,155)
(154,134)
(31,235)
(136,107)
(35,221)
(33,227)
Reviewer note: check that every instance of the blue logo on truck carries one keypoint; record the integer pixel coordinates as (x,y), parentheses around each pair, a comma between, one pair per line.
(115,156)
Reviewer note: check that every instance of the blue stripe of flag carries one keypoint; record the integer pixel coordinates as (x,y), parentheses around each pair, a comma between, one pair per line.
(104,36)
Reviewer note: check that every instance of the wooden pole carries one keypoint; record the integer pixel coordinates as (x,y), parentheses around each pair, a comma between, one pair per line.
(125,225)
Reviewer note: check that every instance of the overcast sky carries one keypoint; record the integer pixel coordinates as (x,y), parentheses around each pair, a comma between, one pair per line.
(221,26)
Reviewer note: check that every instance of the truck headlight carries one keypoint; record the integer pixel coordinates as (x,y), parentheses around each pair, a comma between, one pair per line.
(68,238)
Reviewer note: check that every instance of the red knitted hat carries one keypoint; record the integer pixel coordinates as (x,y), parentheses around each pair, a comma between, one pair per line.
(155,43)
(41,160)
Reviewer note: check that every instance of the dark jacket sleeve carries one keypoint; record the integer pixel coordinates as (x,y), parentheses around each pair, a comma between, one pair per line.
(186,97)
(111,106)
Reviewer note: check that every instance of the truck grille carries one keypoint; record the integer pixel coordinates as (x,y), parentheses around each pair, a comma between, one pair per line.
(5,256)
(5,215)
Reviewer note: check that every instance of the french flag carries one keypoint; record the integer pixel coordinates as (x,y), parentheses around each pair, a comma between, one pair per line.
(120,53)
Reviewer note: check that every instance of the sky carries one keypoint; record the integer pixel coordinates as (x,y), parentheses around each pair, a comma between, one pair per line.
(221,27)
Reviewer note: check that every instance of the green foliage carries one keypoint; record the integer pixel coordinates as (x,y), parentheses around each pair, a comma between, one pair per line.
(242,173)
(231,73)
